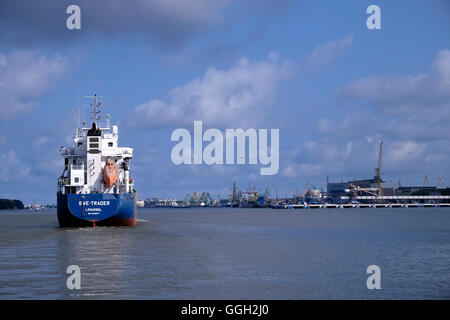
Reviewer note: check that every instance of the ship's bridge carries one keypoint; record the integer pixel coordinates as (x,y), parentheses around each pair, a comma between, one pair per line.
(86,160)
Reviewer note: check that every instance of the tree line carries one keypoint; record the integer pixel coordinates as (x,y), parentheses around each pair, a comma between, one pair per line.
(10,204)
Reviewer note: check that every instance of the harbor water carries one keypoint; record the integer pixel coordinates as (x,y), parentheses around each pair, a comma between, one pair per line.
(225,253)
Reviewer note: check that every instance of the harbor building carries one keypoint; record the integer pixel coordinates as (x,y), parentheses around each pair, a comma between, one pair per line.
(338,192)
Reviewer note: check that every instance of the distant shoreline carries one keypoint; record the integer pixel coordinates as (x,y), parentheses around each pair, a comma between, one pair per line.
(8,204)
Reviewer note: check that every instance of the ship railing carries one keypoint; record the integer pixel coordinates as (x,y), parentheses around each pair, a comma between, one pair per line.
(397,197)
(63,181)
(118,152)
(104,126)
(101,125)
(77,167)
(71,152)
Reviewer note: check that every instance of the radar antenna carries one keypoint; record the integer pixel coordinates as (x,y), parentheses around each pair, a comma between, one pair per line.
(96,104)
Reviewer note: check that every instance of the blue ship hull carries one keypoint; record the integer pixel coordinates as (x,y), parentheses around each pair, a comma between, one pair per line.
(96,209)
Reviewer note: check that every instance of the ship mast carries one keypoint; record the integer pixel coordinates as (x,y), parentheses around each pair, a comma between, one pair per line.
(96,113)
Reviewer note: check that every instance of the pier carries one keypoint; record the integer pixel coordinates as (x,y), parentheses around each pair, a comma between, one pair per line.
(362,205)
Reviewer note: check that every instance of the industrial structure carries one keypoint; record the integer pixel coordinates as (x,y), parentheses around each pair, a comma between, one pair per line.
(372,192)
(377,191)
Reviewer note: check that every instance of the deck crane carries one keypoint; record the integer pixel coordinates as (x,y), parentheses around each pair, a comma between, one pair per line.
(439,183)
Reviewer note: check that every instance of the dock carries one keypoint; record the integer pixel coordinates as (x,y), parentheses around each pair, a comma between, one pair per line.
(363,205)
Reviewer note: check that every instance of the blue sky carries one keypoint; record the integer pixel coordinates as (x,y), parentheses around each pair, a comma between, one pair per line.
(310,68)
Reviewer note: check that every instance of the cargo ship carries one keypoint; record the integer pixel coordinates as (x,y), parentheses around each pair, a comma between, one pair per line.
(96,188)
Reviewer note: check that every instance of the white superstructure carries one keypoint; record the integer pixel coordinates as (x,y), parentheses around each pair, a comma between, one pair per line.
(85,161)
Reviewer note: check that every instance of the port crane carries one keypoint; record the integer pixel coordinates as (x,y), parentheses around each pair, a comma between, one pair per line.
(378,173)
(267,195)
(306,189)
(235,196)
(377,191)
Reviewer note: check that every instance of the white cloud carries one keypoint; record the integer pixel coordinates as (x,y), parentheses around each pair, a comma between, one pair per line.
(12,169)
(238,96)
(167,21)
(2,140)
(348,149)
(325,53)
(402,151)
(194,11)
(406,94)
(317,159)
(412,113)
(295,170)
(25,76)
(41,140)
